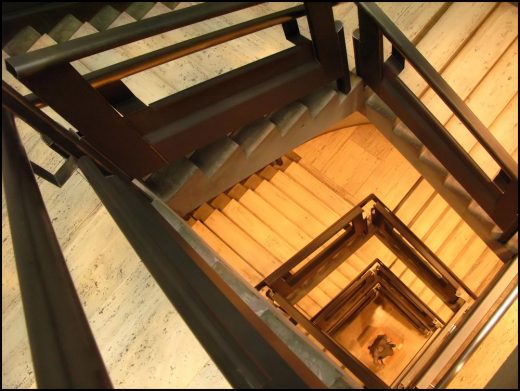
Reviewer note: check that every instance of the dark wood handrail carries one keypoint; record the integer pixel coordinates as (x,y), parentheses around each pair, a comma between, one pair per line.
(63,349)
(107,75)
(30,63)
(441,87)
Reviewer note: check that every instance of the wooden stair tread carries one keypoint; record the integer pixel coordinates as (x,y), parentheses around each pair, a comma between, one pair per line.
(292,211)
(252,252)
(227,254)
(472,252)
(417,201)
(318,189)
(430,216)
(260,232)
(412,18)
(249,223)
(22,41)
(274,219)
(483,271)
(148,86)
(304,198)
(262,238)
(374,248)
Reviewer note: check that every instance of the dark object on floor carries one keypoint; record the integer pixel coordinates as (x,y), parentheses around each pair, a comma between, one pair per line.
(381,347)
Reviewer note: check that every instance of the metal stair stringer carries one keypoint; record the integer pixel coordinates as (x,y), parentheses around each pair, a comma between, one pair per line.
(259,143)
(434,172)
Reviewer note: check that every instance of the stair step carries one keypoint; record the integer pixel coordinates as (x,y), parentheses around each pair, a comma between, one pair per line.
(252,135)
(430,217)
(416,202)
(318,189)
(427,158)
(464,75)
(282,226)
(485,269)
(381,108)
(22,41)
(65,29)
(372,249)
(253,253)
(168,180)
(244,219)
(202,212)
(301,196)
(442,41)
(505,130)
(469,261)
(452,184)
(453,246)
(213,157)
(479,213)
(223,236)
(227,254)
(138,10)
(104,17)
(402,131)
(295,213)
(266,238)
(442,231)
(171,4)
(286,118)
(237,191)
(512,244)
(317,101)
(287,206)
(274,219)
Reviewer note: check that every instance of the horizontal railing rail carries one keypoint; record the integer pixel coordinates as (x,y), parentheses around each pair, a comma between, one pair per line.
(43,16)
(113,120)
(497,196)
(63,349)
(472,327)
(47,127)
(109,74)
(441,87)
(28,64)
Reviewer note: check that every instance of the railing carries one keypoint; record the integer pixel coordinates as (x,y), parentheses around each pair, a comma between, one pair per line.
(133,149)
(43,16)
(176,125)
(63,348)
(498,197)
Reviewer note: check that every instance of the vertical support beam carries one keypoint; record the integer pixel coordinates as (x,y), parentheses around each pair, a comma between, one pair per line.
(506,211)
(324,36)
(357,50)
(65,90)
(344,80)
(371,49)
(291,30)
(63,349)
(56,136)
